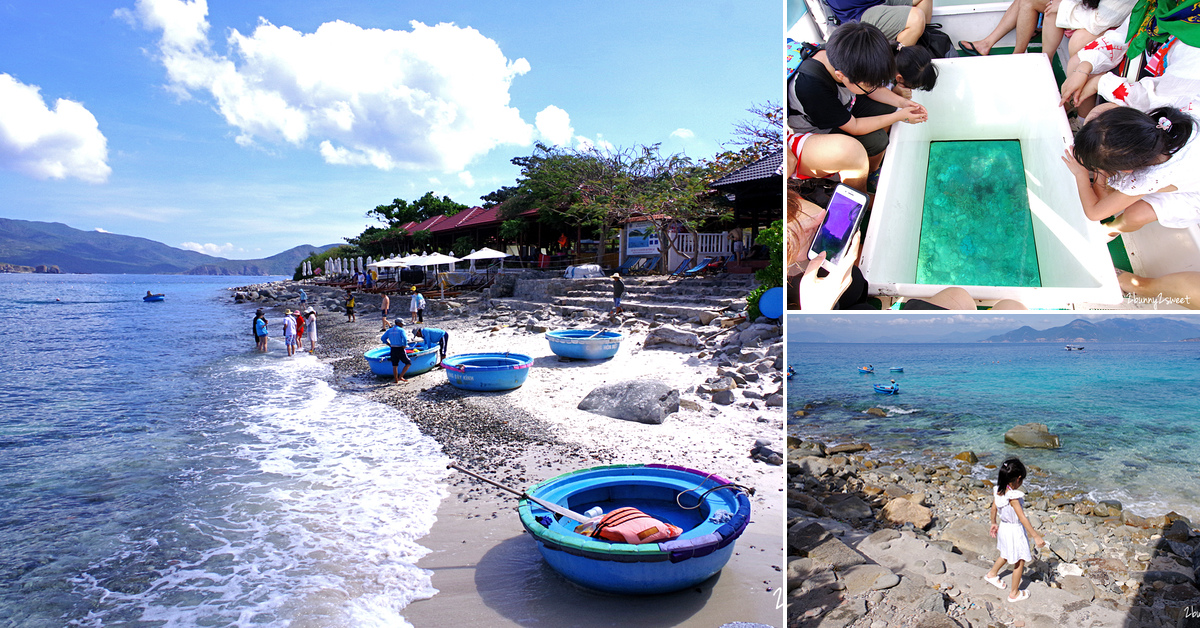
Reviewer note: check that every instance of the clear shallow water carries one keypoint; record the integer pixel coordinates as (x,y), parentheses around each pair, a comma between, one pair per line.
(976,227)
(158,472)
(1128,414)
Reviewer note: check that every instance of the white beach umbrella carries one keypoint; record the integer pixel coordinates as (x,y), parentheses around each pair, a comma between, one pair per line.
(486,253)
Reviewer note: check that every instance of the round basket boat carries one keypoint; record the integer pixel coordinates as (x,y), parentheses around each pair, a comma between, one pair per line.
(584,344)
(380,360)
(487,371)
(709,531)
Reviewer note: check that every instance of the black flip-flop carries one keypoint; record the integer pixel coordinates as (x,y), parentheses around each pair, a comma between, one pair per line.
(968,49)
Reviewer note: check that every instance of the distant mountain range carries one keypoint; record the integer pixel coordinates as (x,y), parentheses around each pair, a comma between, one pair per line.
(1127,329)
(25,243)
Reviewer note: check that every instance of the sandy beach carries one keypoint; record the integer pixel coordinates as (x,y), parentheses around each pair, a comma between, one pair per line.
(485,566)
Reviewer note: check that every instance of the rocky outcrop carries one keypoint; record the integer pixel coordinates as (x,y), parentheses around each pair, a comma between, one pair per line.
(1035,435)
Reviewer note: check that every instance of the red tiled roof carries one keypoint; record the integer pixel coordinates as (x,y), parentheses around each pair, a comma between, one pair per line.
(460,219)
(485,217)
(426,224)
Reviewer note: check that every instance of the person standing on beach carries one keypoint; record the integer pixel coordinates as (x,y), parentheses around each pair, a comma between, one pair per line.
(387,303)
(416,306)
(260,331)
(434,337)
(289,332)
(349,307)
(303,299)
(311,315)
(1008,504)
(395,338)
(618,291)
(299,330)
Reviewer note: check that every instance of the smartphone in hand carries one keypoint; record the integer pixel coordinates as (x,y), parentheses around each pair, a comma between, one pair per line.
(842,218)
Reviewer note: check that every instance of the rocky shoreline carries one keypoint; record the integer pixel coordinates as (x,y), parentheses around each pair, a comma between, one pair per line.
(874,541)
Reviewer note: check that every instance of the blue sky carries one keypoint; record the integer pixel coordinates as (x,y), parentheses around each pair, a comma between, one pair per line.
(910,327)
(245,128)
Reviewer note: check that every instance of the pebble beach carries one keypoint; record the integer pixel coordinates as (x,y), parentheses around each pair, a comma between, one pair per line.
(728,374)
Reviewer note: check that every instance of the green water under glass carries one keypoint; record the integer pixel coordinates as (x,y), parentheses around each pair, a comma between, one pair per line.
(976,227)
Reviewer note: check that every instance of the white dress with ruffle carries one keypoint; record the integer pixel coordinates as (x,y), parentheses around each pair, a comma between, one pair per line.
(1011,539)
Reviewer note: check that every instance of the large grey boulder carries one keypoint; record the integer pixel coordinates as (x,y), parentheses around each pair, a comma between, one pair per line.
(972,538)
(644,401)
(667,335)
(1035,435)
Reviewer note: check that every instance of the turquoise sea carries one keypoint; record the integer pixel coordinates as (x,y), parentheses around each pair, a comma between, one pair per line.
(157,471)
(1128,414)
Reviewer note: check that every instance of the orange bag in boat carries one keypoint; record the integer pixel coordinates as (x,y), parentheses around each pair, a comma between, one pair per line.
(630,525)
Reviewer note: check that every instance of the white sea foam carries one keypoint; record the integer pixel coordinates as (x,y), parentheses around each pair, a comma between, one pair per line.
(308,508)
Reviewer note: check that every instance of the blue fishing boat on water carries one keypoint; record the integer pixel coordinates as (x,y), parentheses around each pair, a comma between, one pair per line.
(152,298)
(866,369)
(711,512)
(897,369)
(887,389)
(791,371)
(380,360)
(487,371)
(584,344)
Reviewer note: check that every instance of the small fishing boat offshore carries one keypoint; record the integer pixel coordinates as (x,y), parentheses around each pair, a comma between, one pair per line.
(887,389)
(866,369)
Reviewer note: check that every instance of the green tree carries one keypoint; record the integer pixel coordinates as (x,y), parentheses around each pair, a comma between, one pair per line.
(400,211)
(422,238)
(772,275)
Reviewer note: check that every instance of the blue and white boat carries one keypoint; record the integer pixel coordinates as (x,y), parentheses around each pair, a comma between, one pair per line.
(585,344)
(714,512)
(897,369)
(866,369)
(487,371)
(888,389)
(154,298)
(380,360)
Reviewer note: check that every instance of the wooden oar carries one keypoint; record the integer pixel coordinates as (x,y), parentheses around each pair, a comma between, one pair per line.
(552,507)
(595,334)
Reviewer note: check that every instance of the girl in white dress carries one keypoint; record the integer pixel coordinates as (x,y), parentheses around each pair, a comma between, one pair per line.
(1008,504)
(1146,165)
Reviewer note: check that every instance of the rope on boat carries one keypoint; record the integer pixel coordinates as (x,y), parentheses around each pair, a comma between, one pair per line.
(748,490)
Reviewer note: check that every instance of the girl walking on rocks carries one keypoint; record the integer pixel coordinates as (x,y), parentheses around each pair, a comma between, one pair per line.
(1008,504)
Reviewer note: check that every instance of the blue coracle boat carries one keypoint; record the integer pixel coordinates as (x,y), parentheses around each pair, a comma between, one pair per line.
(706,544)
(897,369)
(487,371)
(151,298)
(584,344)
(887,390)
(380,361)
(864,369)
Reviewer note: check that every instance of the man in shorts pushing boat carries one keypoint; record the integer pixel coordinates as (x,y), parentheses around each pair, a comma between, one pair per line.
(395,338)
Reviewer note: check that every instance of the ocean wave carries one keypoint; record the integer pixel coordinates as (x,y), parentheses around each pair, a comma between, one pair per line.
(301,503)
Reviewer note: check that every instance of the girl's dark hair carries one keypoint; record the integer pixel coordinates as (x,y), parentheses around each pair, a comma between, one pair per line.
(1009,472)
(915,66)
(1124,138)
(862,53)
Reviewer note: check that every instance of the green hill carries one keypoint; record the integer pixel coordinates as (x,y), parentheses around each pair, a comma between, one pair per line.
(29,243)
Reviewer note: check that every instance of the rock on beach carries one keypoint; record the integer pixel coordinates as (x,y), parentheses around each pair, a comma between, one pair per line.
(637,400)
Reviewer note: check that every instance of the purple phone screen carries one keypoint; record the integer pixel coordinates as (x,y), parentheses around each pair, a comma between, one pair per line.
(838,227)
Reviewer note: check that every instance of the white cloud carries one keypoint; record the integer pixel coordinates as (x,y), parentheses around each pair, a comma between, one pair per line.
(49,144)
(209,248)
(467,178)
(600,144)
(430,97)
(554,125)
(683,134)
